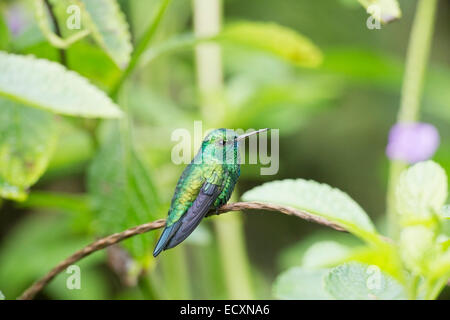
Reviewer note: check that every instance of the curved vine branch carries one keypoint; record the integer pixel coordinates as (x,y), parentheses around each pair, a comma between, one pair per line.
(102,243)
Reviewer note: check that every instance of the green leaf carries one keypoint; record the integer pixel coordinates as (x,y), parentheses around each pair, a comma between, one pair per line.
(275,39)
(279,41)
(110,29)
(355,281)
(47,85)
(301,283)
(445,228)
(150,107)
(317,199)
(349,4)
(123,193)
(286,98)
(317,251)
(384,10)
(295,254)
(421,191)
(45,24)
(27,141)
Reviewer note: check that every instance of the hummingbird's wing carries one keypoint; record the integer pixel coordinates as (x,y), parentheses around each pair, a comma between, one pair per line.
(180,230)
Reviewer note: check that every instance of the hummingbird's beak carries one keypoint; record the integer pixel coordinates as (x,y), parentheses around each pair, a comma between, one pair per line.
(243,136)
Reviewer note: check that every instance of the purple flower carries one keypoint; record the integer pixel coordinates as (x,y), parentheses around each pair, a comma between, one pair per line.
(412,142)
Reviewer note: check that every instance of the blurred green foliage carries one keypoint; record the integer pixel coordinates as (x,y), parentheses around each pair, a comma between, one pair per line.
(100,176)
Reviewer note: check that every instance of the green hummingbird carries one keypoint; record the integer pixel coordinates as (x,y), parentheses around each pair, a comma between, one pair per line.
(205,185)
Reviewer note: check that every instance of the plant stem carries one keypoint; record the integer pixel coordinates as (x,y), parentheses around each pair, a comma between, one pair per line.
(229,231)
(62,52)
(412,89)
(142,45)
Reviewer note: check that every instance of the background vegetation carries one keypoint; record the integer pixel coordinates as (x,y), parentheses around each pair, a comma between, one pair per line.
(83,164)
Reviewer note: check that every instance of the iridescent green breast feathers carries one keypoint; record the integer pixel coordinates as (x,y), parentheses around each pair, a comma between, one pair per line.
(205,184)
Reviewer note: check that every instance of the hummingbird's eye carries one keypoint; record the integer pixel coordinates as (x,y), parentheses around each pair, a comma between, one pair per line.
(222,142)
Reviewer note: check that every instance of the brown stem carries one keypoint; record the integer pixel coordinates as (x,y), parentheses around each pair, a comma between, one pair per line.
(31,292)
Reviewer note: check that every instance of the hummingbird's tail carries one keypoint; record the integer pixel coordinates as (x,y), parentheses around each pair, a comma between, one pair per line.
(162,240)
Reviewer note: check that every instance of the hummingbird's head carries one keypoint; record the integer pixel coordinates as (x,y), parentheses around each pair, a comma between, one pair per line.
(222,145)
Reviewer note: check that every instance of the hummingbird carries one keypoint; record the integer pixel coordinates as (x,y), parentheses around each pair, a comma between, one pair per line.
(205,185)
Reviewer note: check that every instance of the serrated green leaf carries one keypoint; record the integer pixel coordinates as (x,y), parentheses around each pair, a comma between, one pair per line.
(27,141)
(123,193)
(47,85)
(275,39)
(355,281)
(317,199)
(421,191)
(382,10)
(110,29)
(377,69)
(301,283)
